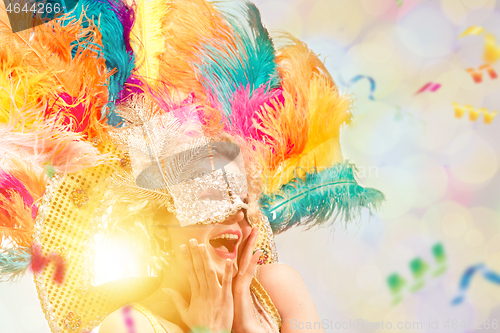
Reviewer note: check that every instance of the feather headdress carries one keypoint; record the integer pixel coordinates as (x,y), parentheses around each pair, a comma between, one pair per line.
(106,91)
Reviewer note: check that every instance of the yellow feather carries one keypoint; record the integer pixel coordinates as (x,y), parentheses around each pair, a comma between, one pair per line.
(147,38)
(310,118)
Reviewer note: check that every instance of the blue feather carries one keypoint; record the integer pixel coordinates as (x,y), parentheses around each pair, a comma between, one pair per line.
(105,14)
(14,262)
(319,198)
(249,63)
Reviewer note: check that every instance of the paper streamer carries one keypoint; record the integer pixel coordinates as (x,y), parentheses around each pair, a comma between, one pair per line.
(39,262)
(372,84)
(491,50)
(467,277)
(473,30)
(431,86)
(477,76)
(473,113)
(129,321)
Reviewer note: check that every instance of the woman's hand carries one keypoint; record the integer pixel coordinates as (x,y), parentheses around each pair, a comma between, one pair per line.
(244,316)
(211,305)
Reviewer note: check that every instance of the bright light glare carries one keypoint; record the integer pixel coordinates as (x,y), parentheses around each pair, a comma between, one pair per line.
(114,259)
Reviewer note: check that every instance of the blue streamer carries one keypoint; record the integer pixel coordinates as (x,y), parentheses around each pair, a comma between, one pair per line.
(372,84)
(467,277)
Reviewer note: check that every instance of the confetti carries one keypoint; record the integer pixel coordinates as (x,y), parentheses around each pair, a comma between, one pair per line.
(473,113)
(440,257)
(39,262)
(400,2)
(477,76)
(467,277)
(432,87)
(372,84)
(491,50)
(473,30)
(129,321)
(419,269)
(489,116)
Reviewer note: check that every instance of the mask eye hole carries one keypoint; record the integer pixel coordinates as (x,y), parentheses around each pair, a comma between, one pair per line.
(211,194)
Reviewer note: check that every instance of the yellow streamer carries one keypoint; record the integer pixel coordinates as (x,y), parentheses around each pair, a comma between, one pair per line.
(473,113)
(473,30)
(491,50)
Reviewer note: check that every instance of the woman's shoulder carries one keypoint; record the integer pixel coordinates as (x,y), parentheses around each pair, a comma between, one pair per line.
(285,287)
(278,275)
(123,319)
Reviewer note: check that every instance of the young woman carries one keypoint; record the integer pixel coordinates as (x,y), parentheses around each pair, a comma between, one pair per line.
(212,281)
(136,114)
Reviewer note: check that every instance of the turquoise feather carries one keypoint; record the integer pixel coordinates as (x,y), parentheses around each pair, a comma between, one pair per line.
(250,63)
(320,198)
(14,262)
(103,14)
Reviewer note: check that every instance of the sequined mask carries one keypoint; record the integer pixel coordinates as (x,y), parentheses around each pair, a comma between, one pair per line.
(205,180)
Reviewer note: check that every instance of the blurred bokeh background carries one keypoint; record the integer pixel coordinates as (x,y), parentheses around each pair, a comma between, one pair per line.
(439,172)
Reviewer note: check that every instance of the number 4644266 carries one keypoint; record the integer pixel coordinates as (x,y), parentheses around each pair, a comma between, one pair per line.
(38,8)
(479,325)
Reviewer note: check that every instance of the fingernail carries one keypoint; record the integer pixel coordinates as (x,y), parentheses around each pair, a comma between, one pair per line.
(193,242)
(167,291)
(184,248)
(202,247)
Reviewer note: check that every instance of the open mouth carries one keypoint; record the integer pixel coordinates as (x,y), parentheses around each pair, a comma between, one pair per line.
(225,245)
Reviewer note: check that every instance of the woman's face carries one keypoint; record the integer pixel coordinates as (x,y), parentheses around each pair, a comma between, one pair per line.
(224,240)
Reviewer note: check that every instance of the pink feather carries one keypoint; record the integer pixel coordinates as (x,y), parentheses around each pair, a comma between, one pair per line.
(9,184)
(49,142)
(244,110)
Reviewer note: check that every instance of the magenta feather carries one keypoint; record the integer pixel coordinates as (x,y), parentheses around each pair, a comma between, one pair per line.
(245,106)
(9,184)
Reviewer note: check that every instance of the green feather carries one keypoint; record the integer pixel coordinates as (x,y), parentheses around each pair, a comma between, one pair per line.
(103,14)
(250,63)
(14,262)
(318,199)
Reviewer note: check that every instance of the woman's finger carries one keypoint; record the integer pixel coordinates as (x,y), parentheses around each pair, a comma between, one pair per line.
(210,272)
(199,268)
(242,283)
(247,278)
(246,256)
(227,281)
(188,265)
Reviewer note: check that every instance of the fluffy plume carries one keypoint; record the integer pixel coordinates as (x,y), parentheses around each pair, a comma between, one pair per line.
(319,199)
(148,39)
(248,61)
(303,132)
(245,107)
(49,142)
(110,16)
(68,55)
(13,263)
(191,24)
(17,217)
(22,88)
(31,177)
